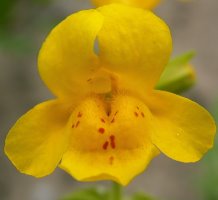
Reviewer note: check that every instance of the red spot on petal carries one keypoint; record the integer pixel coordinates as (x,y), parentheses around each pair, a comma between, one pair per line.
(112,140)
(105,145)
(136,114)
(142,114)
(77,124)
(79,114)
(137,107)
(113,120)
(73,126)
(89,80)
(115,113)
(111,160)
(102,120)
(101,130)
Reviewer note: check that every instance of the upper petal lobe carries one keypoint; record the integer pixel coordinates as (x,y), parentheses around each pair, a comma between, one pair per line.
(67,60)
(135,44)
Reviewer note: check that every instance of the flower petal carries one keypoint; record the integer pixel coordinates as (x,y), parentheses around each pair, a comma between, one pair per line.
(67,59)
(109,142)
(184,130)
(135,44)
(36,143)
(147,4)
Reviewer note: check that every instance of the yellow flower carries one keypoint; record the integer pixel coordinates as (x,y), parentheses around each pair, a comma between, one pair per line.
(107,121)
(147,4)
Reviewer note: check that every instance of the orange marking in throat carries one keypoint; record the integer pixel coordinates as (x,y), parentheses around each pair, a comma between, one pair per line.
(102,120)
(77,124)
(101,130)
(136,114)
(112,140)
(105,145)
(113,120)
(142,114)
(79,115)
(111,160)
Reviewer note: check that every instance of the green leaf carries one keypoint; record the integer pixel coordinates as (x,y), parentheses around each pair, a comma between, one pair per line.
(88,194)
(182,59)
(141,196)
(178,75)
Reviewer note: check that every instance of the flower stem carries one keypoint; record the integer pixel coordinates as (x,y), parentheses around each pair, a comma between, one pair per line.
(116,191)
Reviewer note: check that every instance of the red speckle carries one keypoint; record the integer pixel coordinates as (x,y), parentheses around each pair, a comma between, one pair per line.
(136,114)
(77,124)
(115,113)
(102,120)
(101,130)
(142,114)
(137,107)
(111,160)
(73,126)
(113,120)
(105,145)
(112,139)
(89,80)
(79,114)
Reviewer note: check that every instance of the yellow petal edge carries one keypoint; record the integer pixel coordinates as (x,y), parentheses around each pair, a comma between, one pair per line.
(37,141)
(185,131)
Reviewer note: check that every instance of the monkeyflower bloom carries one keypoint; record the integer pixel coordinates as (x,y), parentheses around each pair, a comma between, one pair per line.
(107,122)
(147,4)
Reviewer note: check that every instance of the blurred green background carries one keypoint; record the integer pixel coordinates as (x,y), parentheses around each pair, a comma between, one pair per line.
(23,27)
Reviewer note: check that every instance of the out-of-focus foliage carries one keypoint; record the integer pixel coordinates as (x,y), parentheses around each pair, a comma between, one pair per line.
(6,7)
(6,10)
(141,196)
(15,43)
(88,194)
(20,41)
(209,177)
(102,194)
